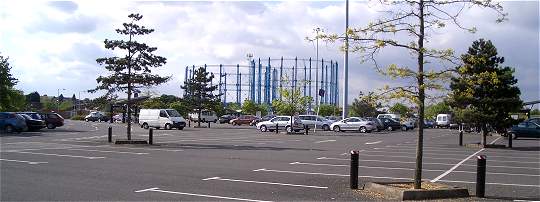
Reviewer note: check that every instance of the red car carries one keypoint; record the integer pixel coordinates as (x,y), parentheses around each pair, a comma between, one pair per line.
(52,120)
(244,119)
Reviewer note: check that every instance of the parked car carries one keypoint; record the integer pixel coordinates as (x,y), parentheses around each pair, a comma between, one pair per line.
(378,123)
(206,116)
(33,124)
(282,122)
(443,121)
(408,124)
(332,118)
(313,121)
(52,120)
(243,119)
(390,124)
(96,116)
(226,118)
(525,129)
(161,118)
(355,124)
(534,120)
(429,124)
(264,118)
(11,122)
(396,117)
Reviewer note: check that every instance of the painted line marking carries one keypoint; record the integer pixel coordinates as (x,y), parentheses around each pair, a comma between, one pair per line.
(149,149)
(19,161)
(62,155)
(107,151)
(446,164)
(260,182)
(325,141)
(493,183)
(374,142)
(432,154)
(156,189)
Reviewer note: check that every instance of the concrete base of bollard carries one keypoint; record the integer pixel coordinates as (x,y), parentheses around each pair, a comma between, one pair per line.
(396,190)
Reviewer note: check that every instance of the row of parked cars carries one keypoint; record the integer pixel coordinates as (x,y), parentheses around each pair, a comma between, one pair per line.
(11,122)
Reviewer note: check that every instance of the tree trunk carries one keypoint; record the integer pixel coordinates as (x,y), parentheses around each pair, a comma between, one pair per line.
(129,92)
(484,134)
(421,96)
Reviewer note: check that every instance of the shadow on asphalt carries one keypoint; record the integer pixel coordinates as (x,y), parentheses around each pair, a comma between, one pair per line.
(228,147)
(512,198)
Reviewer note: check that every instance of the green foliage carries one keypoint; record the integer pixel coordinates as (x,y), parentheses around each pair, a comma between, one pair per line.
(329,110)
(250,107)
(153,103)
(182,107)
(365,105)
(77,117)
(33,97)
(401,109)
(292,102)
(485,89)
(198,92)
(439,108)
(10,98)
(535,112)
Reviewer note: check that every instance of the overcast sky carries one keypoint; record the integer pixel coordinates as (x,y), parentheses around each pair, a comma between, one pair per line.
(54,45)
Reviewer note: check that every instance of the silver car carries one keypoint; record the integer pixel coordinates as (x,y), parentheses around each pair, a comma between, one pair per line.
(354,124)
(281,122)
(313,121)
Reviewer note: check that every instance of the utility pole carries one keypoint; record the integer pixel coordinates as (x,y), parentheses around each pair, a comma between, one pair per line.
(317,30)
(346,63)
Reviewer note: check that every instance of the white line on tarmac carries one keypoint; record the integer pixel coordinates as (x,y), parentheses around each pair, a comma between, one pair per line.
(62,155)
(493,183)
(149,149)
(455,166)
(325,141)
(19,161)
(374,142)
(156,189)
(432,154)
(259,182)
(107,151)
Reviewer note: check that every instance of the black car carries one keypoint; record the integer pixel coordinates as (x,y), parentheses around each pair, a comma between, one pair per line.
(96,116)
(390,124)
(33,124)
(226,118)
(52,120)
(525,129)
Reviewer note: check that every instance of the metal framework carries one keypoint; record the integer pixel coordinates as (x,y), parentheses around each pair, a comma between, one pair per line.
(260,80)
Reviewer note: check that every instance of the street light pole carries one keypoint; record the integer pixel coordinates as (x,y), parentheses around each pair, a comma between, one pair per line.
(317,67)
(346,65)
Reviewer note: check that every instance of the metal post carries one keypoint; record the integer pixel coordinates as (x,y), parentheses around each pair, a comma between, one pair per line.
(110,134)
(305,76)
(326,84)
(346,64)
(295,72)
(309,87)
(281,76)
(151,136)
(481,176)
(337,86)
(238,83)
(225,89)
(306,128)
(189,122)
(510,137)
(220,83)
(322,81)
(354,169)
(461,138)
(277,129)
(208,123)
(259,83)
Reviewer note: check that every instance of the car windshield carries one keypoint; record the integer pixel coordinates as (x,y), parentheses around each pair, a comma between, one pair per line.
(25,116)
(173,113)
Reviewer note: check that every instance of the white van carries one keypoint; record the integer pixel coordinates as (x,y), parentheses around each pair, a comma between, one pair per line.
(161,118)
(443,120)
(396,117)
(206,116)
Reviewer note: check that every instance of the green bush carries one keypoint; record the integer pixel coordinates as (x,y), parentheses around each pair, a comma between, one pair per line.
(77,117)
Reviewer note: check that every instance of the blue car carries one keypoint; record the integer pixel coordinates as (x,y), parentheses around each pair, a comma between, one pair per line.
(11,122)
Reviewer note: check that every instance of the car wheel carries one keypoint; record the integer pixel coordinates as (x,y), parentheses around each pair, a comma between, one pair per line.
(51,126)
(326,127)
(337,129)
(98,120)
(145,126)
(513,136)
(390,128)
(168,126)
(86,120)
(363,129)
(289,129)
(180,128)
(9,129)
(404,128)
(263,128)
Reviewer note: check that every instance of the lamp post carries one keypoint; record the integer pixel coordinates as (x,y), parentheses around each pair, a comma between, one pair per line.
(346,65)
(58,99)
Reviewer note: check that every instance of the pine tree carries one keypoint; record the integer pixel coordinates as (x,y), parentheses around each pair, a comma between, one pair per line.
(198,92)
(484,90)
(131,71)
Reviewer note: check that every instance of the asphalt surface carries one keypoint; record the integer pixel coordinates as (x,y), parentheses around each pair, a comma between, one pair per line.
(75,162)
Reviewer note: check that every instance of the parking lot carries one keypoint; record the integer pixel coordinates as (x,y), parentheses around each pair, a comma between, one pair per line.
(75,162)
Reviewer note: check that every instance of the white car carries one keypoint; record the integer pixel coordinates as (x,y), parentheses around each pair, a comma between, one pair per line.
(282,122)
(206,116)
(354,124)
(161,118)
(312,120)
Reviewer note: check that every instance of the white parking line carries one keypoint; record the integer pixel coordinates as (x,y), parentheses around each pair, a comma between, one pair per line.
(62,155)
(493,183)
(19,161)
(156,189)
(107,151)
(149,149)
(434,154)
(259,182)
(374,142)
(325,141)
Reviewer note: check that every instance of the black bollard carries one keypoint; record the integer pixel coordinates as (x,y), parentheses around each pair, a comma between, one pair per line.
(481,176)
(208,124)
(277,131)
(151,136)
(110,134)
(189,123)
(460,138)
(354,169)
(510,137)
(307,129)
